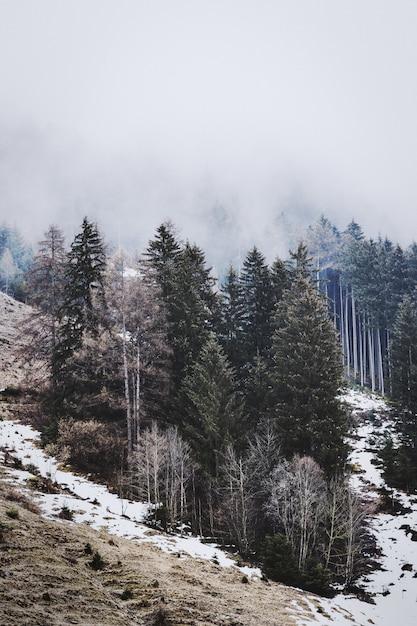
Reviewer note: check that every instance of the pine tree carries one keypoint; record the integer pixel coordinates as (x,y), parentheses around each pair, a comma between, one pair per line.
(187,290)
(190,309)
(404,356)
(258,299)
(306,377)
(83,311)
(211,407)
(231,318)
(162,256)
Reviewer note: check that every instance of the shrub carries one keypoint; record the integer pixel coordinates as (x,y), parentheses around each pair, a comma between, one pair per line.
(66,513)
(316,578)
(97,562)
(12,513)
(87,445)
(279,562)
(127,594)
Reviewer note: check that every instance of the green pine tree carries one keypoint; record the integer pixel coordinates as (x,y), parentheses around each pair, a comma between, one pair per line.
(83,312)
(231,318)
(212,409)
(258,299)
(306,377)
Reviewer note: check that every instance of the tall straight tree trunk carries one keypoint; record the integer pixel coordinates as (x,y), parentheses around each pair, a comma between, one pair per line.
(342,324)
(354,338)
(371,352)
(389,361)
(347,336)
(380,363)
(127,392)
(362,346)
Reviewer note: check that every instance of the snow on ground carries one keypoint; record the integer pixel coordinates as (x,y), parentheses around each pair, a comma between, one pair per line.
(93,504)
(394,587)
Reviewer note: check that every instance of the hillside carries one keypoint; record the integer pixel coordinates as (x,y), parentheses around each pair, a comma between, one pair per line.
(45,578)
(12,316)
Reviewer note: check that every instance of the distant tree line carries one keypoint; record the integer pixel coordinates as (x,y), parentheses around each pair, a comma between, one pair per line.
(372,291)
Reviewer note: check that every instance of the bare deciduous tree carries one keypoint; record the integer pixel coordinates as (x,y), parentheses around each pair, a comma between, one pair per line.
(162,470)
(296,504)
(238,499)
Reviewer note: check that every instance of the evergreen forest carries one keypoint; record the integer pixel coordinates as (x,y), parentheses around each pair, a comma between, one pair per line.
(219,402)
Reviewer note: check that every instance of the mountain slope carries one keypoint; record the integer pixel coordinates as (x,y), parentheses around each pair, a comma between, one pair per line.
(45,578)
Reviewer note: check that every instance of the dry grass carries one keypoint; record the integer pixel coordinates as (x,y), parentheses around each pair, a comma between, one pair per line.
(47,578)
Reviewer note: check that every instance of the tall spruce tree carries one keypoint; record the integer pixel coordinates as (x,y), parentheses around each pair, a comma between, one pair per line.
(83,310)
(231,318)
(404,356)
(306,377)
(258,299)
(161,258)
(188,294)
(212,409)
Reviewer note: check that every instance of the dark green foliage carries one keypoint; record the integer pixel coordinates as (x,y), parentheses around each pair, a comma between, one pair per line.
(162,256)
(306,378)
(88,549)
(232,312)
(317,578)
(259,300)
(127,594)
(12,513)
(211,407)
(97,562)
(187,293)
(404,356)
(278,560)
(256,387)
(190,308)
(83,310)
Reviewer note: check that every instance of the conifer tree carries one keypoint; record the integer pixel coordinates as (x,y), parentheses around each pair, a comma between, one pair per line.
(258,299)
(83,310)
(231,318)
(161,258)
(306,377)
(404,356)
(188,295)
(211,407)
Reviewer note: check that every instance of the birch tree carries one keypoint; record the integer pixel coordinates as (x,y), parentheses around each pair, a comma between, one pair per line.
(296,504)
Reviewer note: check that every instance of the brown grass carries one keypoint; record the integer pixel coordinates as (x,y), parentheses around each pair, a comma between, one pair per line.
(47,578)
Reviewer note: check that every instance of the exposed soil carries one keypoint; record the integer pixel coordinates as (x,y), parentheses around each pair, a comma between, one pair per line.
(46,579)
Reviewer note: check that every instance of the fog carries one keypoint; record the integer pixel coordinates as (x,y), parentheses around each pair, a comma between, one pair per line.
(239,120)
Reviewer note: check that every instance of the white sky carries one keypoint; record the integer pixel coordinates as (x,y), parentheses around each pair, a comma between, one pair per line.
(132,111)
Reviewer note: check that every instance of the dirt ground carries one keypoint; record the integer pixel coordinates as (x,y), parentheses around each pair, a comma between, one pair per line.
(46,579)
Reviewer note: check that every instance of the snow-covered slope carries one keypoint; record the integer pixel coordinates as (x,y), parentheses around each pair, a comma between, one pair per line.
(393,587)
